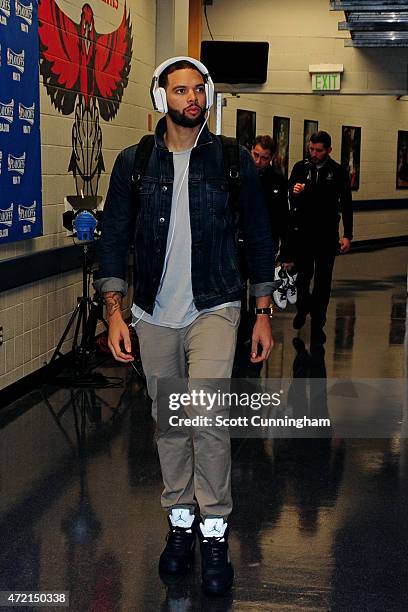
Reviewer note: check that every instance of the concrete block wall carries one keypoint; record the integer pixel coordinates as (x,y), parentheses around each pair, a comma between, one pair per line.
(34,316)
(302,33)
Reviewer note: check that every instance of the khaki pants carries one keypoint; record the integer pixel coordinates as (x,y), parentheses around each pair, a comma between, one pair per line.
(195,464)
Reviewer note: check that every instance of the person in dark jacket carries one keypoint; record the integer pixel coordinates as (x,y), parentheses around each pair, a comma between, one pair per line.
(186,301)
(320,194)
(275,191)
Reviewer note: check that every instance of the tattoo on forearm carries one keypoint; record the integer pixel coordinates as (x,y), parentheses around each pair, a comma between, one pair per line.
(113,301)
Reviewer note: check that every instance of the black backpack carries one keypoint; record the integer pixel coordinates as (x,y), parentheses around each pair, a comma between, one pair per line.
(230,148)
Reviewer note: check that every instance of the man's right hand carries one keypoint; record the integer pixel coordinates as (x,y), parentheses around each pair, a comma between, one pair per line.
(119,335)
(118,330)
(298,188)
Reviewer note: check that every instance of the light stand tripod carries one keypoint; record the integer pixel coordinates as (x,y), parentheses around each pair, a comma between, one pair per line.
(87,313)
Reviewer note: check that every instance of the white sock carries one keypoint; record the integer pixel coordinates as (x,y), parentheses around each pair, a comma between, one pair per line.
(181,517)
(213,528)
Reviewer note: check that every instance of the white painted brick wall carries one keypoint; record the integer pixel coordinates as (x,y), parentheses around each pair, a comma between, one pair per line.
(380,118)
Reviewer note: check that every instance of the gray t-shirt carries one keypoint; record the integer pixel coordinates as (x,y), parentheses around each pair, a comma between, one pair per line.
(174,305)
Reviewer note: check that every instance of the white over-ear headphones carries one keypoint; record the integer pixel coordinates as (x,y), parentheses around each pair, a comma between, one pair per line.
(158,94)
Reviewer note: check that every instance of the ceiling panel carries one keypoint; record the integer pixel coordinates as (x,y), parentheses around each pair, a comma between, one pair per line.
(374,23)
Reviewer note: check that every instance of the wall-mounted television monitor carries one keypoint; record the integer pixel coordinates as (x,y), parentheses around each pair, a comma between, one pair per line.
(235,62)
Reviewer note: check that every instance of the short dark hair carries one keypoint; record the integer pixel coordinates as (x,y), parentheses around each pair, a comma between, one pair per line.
(323,137)
(181,65)
(266,142)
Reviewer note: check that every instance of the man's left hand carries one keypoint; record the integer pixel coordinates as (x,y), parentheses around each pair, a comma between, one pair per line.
(345,244)
(261,335)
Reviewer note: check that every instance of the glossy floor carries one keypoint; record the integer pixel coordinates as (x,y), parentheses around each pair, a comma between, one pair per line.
(318,524)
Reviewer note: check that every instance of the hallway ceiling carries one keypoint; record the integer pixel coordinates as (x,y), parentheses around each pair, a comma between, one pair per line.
(374,23)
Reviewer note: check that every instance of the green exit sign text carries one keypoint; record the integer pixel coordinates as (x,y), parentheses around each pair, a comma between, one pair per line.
(326,81)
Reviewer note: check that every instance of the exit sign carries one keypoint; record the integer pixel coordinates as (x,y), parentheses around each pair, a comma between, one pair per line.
(326,81)
(326,77)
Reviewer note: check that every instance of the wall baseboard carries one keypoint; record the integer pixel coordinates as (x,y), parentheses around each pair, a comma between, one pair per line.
(390,204)
(27,269)
(378,243)
(35,379)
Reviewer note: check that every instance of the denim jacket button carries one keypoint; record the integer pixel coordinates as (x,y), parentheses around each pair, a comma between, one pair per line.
(161,220)
(164,188)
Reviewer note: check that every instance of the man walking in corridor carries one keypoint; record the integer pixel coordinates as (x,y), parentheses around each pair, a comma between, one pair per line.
(320,194)
(186,302)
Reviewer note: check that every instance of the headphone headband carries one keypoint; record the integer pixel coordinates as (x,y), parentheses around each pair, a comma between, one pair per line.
(180,58)
(158,94)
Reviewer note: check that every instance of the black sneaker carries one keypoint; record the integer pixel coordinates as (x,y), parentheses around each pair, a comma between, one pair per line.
(178,554)
(216,567)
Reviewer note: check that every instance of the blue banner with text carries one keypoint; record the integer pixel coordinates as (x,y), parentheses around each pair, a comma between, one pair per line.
(20,151)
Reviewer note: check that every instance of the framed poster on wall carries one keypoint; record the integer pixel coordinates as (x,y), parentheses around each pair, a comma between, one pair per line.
(20,152)
(281,130)
(350,153)
(246,128)
(402,160)
(309,128)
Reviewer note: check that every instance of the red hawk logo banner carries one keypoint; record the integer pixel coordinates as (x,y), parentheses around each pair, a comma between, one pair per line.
(86,73)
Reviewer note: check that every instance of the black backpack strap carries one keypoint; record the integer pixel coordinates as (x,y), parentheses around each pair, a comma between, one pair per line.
(142,156)
(230,150)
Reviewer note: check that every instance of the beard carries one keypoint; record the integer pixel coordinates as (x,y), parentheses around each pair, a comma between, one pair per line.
(317,162)
(181,119)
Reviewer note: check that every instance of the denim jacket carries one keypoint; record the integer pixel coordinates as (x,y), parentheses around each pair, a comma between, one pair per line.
(144,221)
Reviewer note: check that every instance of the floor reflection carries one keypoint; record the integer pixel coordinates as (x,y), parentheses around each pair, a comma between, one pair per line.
(318,524)
(398,319)
(369,546)
(345,322)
